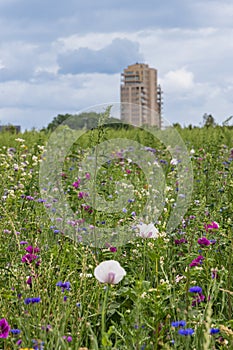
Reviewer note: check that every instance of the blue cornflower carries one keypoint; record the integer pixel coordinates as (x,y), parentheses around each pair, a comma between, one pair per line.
(195,289)
(35,300)
(27,301)
(15,331)
(186,331)
(178,323)
(31,300)
(214,330)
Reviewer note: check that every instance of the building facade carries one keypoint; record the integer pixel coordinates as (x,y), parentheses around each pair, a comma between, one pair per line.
(140,96)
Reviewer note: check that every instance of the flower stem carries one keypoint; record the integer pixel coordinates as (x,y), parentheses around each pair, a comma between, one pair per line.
(104,310)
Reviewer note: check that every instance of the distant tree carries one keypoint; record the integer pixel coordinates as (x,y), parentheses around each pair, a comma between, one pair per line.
(208,120)
(87,120)
(59,119)
(190,126)
(177,125)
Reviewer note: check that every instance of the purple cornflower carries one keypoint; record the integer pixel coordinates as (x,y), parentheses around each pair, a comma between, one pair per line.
(29,198)
(4,328)
(23,242)
(186,331)
(203,241)
(178,323)
(64,286)
(195,289)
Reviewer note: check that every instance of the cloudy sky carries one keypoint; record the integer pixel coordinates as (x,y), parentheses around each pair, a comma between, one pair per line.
(61,56)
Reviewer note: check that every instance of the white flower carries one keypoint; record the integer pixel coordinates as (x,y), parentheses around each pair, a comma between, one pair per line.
(174,161)
(109,271)
(148,231)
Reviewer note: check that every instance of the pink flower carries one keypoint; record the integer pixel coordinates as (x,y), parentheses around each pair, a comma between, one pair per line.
(109,271)
(4,328)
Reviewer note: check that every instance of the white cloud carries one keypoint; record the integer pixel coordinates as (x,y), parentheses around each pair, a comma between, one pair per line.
(177,81)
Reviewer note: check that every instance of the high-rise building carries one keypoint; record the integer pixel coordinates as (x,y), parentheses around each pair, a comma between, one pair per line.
(140,95)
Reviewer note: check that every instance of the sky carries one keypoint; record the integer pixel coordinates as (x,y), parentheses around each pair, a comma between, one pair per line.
(60,57)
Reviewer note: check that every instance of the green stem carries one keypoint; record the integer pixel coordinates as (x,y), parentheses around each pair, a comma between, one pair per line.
(104,309)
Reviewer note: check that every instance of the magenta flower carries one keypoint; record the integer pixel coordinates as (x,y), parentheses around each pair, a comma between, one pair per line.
(76,183)
(82,195)
(67,338)
(32,250)
(29,281)
(213,226)
(197,261)
(180,241)
(113,249)
(28,258)
(203,241)
(4,328)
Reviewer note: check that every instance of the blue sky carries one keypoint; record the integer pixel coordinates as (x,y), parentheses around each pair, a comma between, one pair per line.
(65,56)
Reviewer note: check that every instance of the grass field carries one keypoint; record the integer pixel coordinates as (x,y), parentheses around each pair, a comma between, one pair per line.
(173,288)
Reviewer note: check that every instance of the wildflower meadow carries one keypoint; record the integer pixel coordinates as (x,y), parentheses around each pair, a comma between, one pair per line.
(130,252)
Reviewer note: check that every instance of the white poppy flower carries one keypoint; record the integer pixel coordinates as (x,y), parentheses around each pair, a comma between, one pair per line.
(109,271)
(148,231)
(174,161)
